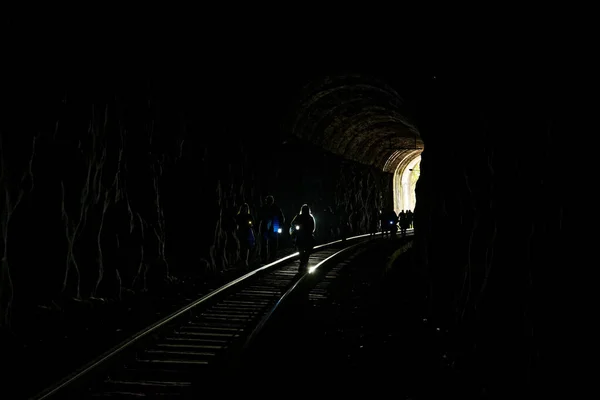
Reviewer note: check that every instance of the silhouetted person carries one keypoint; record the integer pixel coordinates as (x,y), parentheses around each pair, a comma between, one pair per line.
(403,219)
(245,232)
(271,226)
(303,229)
(389,222)
(383,221)
(410,217)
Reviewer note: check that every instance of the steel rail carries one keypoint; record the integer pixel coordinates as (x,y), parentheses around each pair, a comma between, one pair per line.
(112,353)
(303,277)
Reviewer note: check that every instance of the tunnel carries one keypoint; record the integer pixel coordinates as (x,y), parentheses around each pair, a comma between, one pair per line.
(114,186)
(362,119)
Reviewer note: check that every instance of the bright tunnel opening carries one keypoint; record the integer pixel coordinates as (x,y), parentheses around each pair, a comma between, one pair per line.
(405,182)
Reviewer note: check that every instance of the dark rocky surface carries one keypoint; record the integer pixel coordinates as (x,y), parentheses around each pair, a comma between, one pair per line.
(371,337)
(59,339)
(113,180)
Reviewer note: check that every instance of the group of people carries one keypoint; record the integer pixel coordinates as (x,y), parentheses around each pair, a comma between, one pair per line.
(270,226)
(271,222)
(390,222)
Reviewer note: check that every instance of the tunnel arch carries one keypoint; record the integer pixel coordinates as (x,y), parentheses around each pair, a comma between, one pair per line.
(359,117)
(363,119)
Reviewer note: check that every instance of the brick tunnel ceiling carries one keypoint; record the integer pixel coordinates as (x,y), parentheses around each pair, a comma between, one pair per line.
(359,118)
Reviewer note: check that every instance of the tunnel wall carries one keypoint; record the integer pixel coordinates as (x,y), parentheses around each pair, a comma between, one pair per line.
(489,222)
(118,191)
(358,117)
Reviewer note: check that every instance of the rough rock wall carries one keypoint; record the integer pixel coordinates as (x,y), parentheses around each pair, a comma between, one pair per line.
(489,221)
(357,116)
(323,179)
(105,191)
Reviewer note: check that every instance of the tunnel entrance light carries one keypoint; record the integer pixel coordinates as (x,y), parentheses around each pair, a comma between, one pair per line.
(405,180)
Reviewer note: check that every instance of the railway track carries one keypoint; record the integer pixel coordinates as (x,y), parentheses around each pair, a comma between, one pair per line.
(202,338)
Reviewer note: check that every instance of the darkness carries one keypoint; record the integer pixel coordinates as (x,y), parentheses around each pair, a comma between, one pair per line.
(493,118)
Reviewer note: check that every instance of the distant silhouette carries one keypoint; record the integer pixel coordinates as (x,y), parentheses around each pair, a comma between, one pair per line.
(271,226)
(245,232)
(303,228)
(410,217)
(403,220)
(389,222)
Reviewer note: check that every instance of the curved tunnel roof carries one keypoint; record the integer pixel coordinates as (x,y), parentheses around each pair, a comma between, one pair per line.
(360,118)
